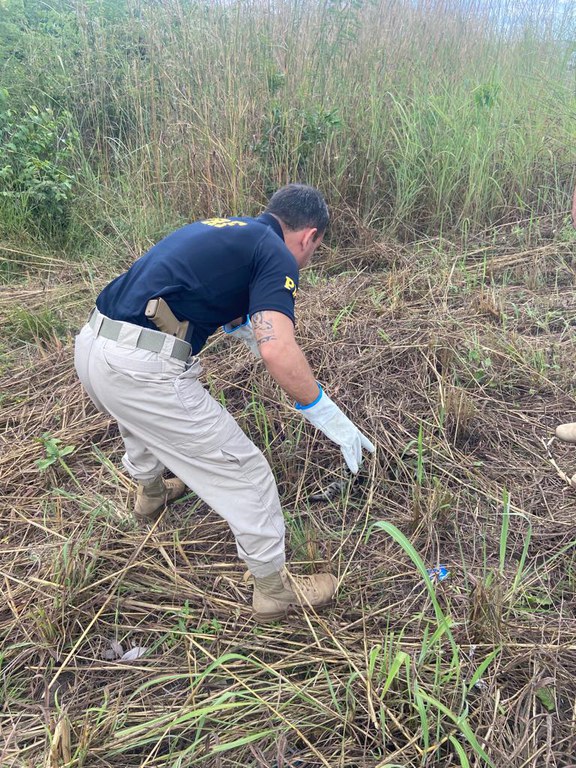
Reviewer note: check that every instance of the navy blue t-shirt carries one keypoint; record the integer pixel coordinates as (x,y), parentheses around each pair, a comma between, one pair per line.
(210,273)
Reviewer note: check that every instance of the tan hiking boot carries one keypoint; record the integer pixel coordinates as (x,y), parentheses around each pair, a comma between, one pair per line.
(566,432)
(275,594)
(151,498)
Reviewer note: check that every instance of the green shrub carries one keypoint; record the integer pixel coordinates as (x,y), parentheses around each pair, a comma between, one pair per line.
(36,153)
(26,326)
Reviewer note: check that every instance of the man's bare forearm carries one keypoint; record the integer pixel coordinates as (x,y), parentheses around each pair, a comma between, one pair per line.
(282,356)
(291,371)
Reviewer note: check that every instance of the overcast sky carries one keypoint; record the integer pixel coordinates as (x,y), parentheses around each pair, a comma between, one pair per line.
(560,14)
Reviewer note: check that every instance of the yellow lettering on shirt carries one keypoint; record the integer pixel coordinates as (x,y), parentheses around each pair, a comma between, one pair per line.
(290,285)
(223,223)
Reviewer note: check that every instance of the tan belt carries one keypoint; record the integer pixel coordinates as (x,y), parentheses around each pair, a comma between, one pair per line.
(152,341)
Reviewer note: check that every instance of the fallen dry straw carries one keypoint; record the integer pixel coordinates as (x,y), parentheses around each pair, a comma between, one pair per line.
(458,383)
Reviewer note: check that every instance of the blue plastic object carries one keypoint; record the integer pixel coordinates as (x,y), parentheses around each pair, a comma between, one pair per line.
(438,574)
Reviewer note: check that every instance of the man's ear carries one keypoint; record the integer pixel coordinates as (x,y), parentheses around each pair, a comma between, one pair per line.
(309,236)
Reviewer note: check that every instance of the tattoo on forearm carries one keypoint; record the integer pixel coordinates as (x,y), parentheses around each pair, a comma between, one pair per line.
(263,329)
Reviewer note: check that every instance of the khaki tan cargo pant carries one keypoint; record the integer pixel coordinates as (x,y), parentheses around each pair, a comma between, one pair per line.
(168,420)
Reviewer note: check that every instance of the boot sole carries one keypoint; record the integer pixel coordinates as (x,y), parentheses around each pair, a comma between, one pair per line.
(268,618)
(151,517)
(265,618)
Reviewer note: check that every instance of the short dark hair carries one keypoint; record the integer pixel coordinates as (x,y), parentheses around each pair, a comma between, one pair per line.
(299,206)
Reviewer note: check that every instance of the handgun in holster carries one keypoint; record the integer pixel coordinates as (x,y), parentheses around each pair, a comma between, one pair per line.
(164,319)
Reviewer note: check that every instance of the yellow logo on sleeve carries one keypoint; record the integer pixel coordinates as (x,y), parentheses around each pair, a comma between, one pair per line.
(290,285)
(223,223)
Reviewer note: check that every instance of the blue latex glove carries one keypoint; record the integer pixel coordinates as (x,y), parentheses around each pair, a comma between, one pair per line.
(325,415)
(245,333)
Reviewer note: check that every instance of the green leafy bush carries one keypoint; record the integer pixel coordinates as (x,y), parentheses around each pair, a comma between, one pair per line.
(36,153)
(291,137)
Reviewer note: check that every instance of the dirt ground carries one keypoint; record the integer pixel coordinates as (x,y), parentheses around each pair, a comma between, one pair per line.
(458,368)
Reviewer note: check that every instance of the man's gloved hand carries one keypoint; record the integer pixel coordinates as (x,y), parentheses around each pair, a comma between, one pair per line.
(245,333)
(327,417)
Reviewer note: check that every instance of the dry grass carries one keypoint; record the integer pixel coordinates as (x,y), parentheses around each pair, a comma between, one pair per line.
(457,367)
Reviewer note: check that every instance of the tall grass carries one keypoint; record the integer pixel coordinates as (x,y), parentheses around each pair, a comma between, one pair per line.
(416,117)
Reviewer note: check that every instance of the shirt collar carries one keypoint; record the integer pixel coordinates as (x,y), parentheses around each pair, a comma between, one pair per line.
(271,221)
